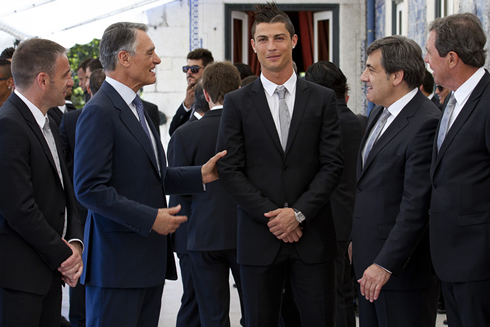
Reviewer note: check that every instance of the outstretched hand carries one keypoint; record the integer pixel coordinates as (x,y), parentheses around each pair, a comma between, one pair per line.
(209,171)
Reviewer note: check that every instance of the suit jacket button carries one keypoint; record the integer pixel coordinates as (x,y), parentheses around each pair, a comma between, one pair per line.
(359,190)
(285,167)
(434,186)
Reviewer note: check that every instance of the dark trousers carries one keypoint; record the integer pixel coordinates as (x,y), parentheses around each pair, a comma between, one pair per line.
(115,307)
(77,306)
(26,309)
(210,273)
(345,316)
(400,308)
(467,304)
(313,287)
(188,315)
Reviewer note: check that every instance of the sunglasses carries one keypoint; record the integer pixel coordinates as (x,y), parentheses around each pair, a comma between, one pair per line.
(194,69)
(4,78)
(439,88)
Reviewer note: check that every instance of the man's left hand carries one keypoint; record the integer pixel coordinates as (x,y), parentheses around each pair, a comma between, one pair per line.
(209,171)
(373,279)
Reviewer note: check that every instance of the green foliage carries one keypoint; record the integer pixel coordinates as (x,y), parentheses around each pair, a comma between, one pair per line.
(76,56)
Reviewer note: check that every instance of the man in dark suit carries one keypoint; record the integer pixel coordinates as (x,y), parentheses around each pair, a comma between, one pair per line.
(460,170)
(197,60)
(121,177)
(188,315)
(40,234)
(390,245)
(282,178)
(329,75)
(211,230)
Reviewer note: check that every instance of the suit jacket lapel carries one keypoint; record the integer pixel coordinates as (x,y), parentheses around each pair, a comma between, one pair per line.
(400,122)
(300,103)
(460,120)
(132,123)
(257,94)
(34,126)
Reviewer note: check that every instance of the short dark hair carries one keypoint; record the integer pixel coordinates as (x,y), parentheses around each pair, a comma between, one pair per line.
(244,69)
(220,78)
(200,53)
(401,53)
(5,68)
(32,57)
(7,53)
(94,64)
(463,34)
(200,104)
(247,80)
(428,83)
(96,79)
(83,65)
(269,13)
(116,38)
(327,74)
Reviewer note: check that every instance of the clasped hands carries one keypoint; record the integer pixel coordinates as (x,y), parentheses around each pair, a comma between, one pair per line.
(71,269)
(283,224)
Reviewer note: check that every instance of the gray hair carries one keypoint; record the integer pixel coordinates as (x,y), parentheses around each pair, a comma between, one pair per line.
(118,37)
(463,34)
(400,53)
(34,56)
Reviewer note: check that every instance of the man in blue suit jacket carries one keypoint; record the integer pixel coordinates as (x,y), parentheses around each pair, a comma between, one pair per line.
(390,246)
(121,177)
(460,170)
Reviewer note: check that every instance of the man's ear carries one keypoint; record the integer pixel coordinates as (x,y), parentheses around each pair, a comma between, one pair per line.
(124,58)
(398,77)
(207,96)
(252,42)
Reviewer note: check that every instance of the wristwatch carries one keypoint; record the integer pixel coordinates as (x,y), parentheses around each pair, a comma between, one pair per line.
(299,216)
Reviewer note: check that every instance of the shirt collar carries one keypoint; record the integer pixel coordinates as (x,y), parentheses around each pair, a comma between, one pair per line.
(399,104)
(464,91)
(217,107)
(36,112)
(270,87)
(124,91)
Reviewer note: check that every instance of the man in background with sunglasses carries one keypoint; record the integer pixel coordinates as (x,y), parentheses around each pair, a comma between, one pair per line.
(197,59)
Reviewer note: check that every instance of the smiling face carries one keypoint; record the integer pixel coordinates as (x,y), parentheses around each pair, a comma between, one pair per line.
(380,88)
(141,69)
(60,82)
(274,47)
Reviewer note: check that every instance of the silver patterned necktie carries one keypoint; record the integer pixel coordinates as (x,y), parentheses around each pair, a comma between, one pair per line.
(446,118)
(284,118)
(48,135)
(376,132)
(140,109)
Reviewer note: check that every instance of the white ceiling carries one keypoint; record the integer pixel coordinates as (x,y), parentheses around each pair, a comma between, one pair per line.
(67,22)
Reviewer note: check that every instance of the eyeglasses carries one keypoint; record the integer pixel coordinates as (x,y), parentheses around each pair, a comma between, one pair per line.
(440,88)
(4,78)
(194,69)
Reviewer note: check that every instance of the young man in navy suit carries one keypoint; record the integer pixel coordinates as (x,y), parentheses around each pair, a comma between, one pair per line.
(40,233)
(460,171)
(211,238)
(121,177)
(283,139)
(390,245)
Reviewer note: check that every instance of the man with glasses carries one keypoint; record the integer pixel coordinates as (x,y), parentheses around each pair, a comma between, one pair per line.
(197,59)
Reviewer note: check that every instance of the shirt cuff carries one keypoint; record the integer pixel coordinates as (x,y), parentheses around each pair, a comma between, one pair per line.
(185,108)
(77,240)
(384,268)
